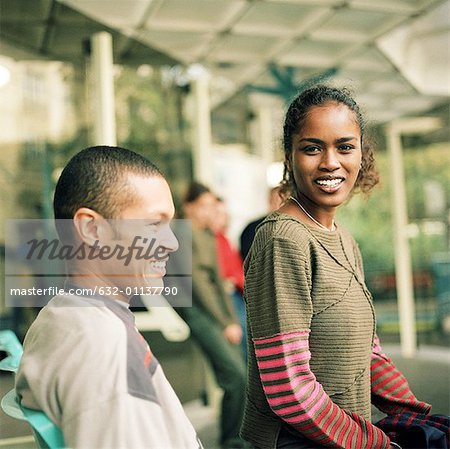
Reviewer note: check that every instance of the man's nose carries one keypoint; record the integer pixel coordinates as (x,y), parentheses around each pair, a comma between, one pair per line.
(169,240)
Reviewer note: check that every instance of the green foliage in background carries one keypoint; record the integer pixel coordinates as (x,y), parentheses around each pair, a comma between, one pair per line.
(370,220)
(148,110)
(151,121)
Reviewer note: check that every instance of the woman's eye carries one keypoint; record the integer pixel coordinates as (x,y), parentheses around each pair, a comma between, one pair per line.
(346,148)
(312,149)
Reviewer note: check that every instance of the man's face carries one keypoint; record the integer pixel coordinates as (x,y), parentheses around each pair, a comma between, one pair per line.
(143,228)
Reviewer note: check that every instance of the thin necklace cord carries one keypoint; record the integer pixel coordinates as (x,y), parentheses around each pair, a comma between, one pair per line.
(333,225)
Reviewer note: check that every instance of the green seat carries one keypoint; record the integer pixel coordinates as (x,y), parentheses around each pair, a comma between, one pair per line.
(46,434)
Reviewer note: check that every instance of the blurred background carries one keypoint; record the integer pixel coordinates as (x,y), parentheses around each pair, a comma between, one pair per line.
(200,87)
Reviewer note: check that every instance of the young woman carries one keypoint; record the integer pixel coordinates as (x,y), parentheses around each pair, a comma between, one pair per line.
(316,363)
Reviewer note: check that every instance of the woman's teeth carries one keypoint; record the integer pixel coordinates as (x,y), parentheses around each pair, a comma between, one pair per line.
(329,182)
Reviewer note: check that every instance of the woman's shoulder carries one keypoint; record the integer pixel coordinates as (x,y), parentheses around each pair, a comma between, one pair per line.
(347,237)
(280,226)
(281,235)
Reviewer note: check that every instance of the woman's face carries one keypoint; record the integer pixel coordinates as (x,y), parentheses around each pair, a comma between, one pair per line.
(326,155)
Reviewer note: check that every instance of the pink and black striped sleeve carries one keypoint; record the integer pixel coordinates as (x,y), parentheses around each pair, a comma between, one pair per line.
(390,390)
(279,308)
(294,394)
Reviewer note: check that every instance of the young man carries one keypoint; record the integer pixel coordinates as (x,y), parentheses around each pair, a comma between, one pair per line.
(84,363)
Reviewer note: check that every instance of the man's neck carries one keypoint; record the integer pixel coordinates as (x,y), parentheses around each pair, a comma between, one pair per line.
(96,284)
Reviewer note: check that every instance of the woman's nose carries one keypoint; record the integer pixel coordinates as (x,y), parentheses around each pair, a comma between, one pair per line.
(330,160)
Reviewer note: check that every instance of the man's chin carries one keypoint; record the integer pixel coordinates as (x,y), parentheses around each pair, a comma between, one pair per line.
(154,282)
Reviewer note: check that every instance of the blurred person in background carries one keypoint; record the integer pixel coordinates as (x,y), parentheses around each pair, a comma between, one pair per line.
(276,199)
(315,363)
(230,265)
(211,319)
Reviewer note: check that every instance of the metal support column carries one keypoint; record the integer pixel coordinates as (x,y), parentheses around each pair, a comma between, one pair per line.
(104,118)
(403,270)
(201,130)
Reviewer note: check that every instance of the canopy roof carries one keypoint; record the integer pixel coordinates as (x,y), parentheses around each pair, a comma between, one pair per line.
(393,53)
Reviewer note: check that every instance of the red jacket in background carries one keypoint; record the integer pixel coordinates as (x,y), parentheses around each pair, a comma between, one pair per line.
(230,262)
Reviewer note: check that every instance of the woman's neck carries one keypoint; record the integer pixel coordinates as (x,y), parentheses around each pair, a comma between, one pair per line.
(321,217)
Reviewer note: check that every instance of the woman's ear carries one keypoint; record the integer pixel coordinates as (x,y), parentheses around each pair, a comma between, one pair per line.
(90,226)
(288,163)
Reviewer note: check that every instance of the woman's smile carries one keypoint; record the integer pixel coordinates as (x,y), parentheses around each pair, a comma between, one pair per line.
(329,184)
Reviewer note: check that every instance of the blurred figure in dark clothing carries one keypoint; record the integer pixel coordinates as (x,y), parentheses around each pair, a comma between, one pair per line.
(276,199)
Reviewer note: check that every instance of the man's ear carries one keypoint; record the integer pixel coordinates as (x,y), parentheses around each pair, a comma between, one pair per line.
(90,226)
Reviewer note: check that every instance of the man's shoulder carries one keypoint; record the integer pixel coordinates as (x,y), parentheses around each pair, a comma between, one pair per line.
(82,319)
(77,308)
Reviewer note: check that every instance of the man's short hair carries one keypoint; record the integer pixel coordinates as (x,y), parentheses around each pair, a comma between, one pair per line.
(96,178)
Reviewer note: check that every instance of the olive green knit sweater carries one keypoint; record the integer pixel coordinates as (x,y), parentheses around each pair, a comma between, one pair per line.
(311,333)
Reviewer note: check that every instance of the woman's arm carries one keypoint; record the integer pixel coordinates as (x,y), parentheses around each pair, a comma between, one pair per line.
(294,394)
(390,389)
